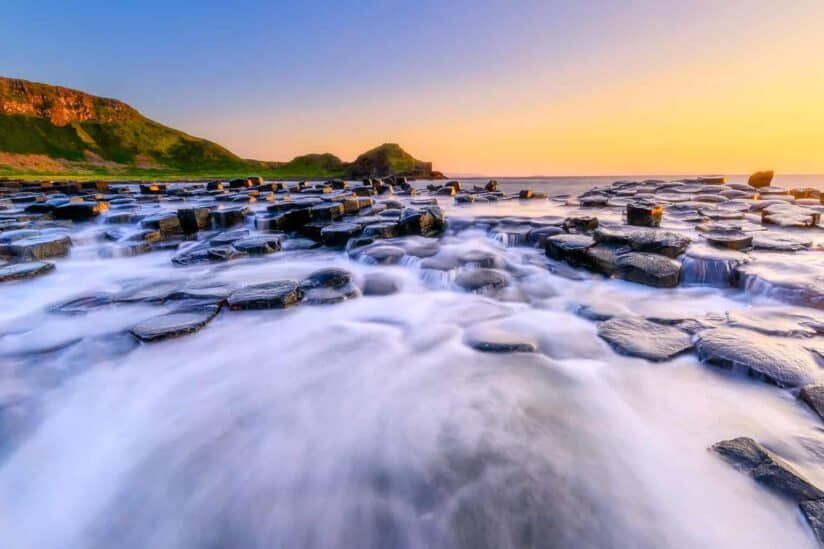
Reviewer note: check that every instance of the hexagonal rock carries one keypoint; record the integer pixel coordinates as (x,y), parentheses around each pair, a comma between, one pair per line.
(650,269)
(22,271)
(270,295)
(79,211)
(173,324)
(642,338)
(783,361)
(644,215)
(571,248)
(40,247)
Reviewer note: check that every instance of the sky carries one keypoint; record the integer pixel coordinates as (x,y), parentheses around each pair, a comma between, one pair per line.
(476,87)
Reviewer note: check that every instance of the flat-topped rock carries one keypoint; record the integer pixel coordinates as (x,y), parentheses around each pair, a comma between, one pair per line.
(649,269)
(731,240)
(668,243)
(23,271)
(495,340)
(636,336)
(571,248)
(750,457)
(173,324)
(779,360)
(644,215)
(39,247)
(270,295)
(477,280)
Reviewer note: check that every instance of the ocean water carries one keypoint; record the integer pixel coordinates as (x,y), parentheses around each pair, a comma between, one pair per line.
(373,422)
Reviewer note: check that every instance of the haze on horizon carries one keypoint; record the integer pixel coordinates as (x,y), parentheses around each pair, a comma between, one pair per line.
(553,88)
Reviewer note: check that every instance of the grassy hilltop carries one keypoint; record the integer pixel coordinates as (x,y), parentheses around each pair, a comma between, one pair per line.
(51,131)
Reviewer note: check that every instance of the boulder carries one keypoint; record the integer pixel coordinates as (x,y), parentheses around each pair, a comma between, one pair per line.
(650,269)
(269,295)
(644,215)
(636,336)
(780,360)
(748,456)
(22,271)
(761,179)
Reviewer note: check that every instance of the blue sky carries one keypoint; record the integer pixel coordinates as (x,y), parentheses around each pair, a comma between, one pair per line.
(273,79)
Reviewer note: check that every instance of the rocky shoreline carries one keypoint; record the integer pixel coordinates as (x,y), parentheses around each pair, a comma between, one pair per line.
(755,239)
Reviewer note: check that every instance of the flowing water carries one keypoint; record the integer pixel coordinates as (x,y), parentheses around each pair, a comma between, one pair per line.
(372,423)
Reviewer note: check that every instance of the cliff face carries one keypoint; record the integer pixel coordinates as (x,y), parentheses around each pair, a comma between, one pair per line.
(60,106)
(389,159)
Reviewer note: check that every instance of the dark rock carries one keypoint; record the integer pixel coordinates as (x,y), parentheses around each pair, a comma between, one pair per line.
(258,245)
(193,220)
(22,271)
(665,243)
(224,253)
(539,236)
(604,257)
(327,211)
(571,248)
(326,278)
(383,254)
(813,512)
(427,221)
(173,324)
(226,217)
(750,457)
(379,284)
(639,337)
(644,215)
(779,360)
(338,234)
(492,186)
(228,237)
(387,229)
(39,247)
(492,340)
(330,296)
(650,269)
(813,396)
(761,179)
(594,201)
(732,240)
(83,304)
(78,211)
(581,224)
(478,280)
(270,295)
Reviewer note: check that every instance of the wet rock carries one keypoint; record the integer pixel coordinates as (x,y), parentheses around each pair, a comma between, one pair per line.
(731,240)
(383,254)
(748,456)
(813,512)
(779,360)
(644,215)
(803,284)
(193,220)
(594,201)
(39,247)
(167,223)
(639,337)
(258,245)
(428,221)
(666,243)
(387,229)
(224,253)
(227,217)
(539,236)
(604,257)
(330,296)
(571,248)
(78,211)
(477,280)
(481,258)
(380,284)
(81,305)
(327,211)
(22,271)
(173,324)
(775,243)
(326,278)
(761,179)
(493,340)
(650,269)
(270,295)
(228,237)
(580,224)
(338,234)
(813,396)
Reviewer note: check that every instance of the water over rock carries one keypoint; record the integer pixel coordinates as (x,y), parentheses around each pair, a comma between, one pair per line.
(649,269)
(269,295)
(813,396)
(173,324)
(636,336)
(22,271)
(779,360)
